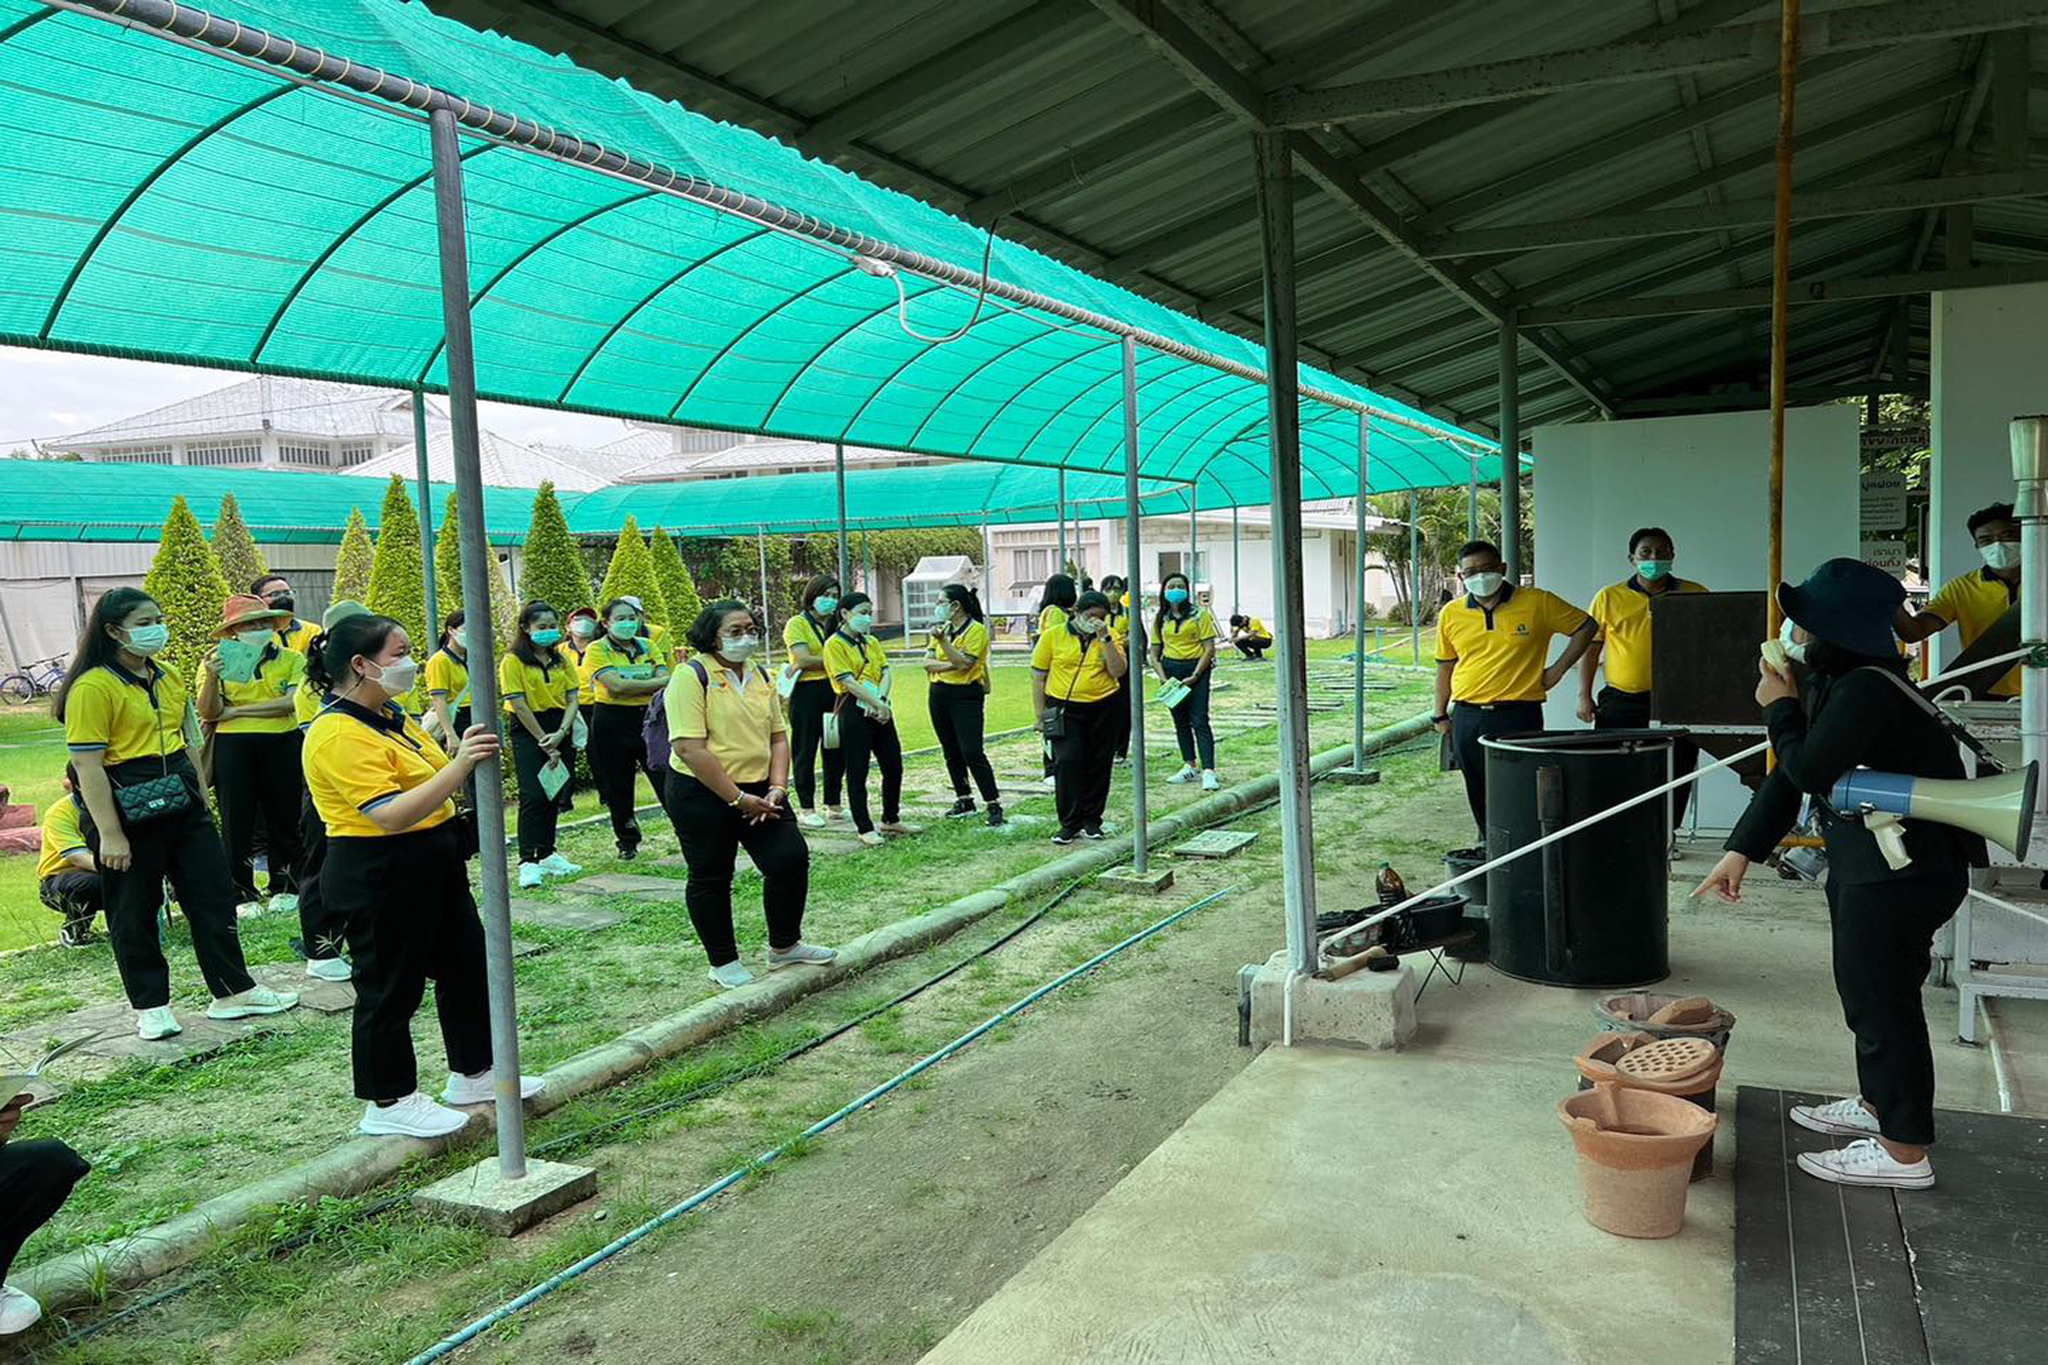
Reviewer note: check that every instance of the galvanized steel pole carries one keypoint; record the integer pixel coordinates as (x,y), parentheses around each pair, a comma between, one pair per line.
(839,478)
(476,588)
(767,635)
(1414,582)
(1276,238)
(419,447)
(1472,502)
(1194,548)
(1358,598)
(1061,567)
(1141,853)
(1236,578)
(1510,448)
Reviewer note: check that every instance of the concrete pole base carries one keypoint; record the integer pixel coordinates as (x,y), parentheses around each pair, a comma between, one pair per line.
(1355,777)
(1364,1009)
(482,1198)
(1150,882)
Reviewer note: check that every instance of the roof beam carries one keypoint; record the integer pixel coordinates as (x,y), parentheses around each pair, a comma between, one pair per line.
(1198,232)
(1742,47)
(1687,222)
(1736,400)
(1125,146)
(1803,291)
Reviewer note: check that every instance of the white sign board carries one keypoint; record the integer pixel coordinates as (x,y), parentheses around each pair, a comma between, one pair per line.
(1889,555)
(1884,502)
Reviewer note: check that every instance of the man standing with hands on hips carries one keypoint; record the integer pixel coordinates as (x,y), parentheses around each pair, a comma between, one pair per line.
(1490,675)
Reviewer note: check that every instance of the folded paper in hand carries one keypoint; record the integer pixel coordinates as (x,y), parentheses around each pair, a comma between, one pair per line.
(238,661)
(554,775)
(1173,692)
(13,1083)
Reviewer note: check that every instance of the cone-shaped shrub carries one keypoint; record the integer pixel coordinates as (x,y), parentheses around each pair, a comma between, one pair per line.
(353,562)
(398,576)
(678,589)
(631,575)
(552,567)
(186,582)
(241,563)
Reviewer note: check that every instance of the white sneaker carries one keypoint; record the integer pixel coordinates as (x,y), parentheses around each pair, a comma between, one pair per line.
(732,975)
(530,876)
(1844,1118)
(555,865)
(1211,782)
(255,1000)
(248,909)
(810,819)
(285,903)
(329,969)
(799,955)
(873,838)
(18,1312)
(414,1116)
(1049,782)
(154,1024)
(1186,774)
(1866,1162)
(481,1089)
(835,815)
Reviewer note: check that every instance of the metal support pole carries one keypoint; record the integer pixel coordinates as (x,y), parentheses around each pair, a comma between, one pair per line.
(1236,578)
(767,635)
(1510,447)
(2030,469)
(1781,288)
(476,588)
(1283,401)
(867,573)
(419,447)
(1414,580)
(1194,545)
(1472,502)
(839,478)
(1061,566)
(1358,598)
(1141,852)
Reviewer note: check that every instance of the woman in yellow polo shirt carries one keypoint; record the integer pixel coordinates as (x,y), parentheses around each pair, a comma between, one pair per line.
(1118,592)
(67,877)
(539,683)
(1184,647)
(810,699)
(957,660)
(322,934)
(248,701)
(858,665)
(727,791)
(626,673)
(1055,605)
(1074,670)
(385,791)
(126,723)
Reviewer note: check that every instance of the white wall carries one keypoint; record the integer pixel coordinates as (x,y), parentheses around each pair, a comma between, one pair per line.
(1990,365)
(1704,479)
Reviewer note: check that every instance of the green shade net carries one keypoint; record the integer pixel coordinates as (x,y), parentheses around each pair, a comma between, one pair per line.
(167,203)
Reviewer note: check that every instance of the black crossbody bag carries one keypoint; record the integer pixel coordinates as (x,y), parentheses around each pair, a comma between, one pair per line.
(154,798)
(1055,726)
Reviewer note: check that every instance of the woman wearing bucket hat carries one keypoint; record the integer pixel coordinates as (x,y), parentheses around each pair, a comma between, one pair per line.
(1847,704)
(246,684)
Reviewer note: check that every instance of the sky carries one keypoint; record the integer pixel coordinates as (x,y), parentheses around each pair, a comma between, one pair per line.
(51,393)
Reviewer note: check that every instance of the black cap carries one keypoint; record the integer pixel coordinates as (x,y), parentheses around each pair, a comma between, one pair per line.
(1849,604)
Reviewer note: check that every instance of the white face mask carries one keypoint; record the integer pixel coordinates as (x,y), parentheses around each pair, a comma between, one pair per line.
(1484,585)
(2000,554)
(1087,625)
(398,676)
(738,648)
(1794,649)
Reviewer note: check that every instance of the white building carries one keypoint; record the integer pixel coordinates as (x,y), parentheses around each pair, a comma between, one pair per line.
(265,422)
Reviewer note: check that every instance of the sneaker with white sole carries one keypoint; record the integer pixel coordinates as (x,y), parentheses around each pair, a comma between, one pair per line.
(1049,782)
(329,969)
(531,876)
(1186,774)
(248,909)
(481,1089)
(1211,782)
(730,976)
(873,838)
(255,1000)
(152,1025)
(414,1116)
(284,903)
(1866,1162)
(799,955)
(901,827)
(810,819)
(555,865)
(1843,1118)
(18,1311)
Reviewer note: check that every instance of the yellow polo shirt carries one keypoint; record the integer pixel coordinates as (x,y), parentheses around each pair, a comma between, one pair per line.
(1256,628)
(666,652)
(1971,604)
(280,671)
(123,717)
(61,836)
(865,660)
(306,704)
(1622,611)
(299,635)
(1072,665)
(355,761)
(801,629)
(1500,654)
(970,639)
(586,690)
(546,688)
(642,661)
(448,676)
(1186,637)
(739,718)
(1120,625)
(1048,617)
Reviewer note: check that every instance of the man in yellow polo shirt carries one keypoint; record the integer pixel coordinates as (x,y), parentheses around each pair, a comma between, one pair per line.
(1490,677)
(1622,613)
(1974,602)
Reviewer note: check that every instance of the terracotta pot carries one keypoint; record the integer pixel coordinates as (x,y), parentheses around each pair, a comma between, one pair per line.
(1636,1149)
(1689,1068)
(1666,1016)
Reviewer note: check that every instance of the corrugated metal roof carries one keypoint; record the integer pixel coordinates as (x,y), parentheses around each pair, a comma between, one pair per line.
(506,464)
(280,403)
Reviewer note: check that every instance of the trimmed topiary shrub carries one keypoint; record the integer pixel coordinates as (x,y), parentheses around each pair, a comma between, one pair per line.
(631,575)
(398,574)
(552,567)
(354,560)
(678,589)
(241,563)
(185,580)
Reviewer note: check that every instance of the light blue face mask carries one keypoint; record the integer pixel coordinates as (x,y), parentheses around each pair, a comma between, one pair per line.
(1650,570)
(860,623)
(147,640)
(1176,596)
(547,638)
(825,606)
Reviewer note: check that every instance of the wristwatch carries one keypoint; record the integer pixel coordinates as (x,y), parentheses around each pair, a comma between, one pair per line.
(1444,719)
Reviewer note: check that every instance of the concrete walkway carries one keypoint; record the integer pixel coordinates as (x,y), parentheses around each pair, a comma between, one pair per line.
(1422,1208)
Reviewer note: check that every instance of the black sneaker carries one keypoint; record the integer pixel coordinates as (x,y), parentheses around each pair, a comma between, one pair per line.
(1095,833)
(627,855)
(995,814)
(962,809)
(76,933)
(1065,836)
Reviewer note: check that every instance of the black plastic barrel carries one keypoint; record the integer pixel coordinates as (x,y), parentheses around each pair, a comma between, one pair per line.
(1590,910)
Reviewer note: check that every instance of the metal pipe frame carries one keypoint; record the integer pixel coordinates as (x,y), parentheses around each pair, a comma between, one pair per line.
(427,546)
(767,635)
(1510,444)
(476,588)
(1061,567)
(839,477)
(1358,598)
(1141,851)
(1194,541)
(1414,578)
(1781,290)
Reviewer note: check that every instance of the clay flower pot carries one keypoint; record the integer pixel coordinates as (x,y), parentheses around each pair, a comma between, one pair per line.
(1689,1068)
(1636,1150)
(1666,1016)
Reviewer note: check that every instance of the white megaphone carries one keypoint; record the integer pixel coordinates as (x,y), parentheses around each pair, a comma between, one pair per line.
(1999,808)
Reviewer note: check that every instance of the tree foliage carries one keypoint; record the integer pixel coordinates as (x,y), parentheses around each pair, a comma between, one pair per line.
(241,563)
(448,580)
(553,569)
(632,575)
(678,588)
(185,580)
(354,560)
(398,576)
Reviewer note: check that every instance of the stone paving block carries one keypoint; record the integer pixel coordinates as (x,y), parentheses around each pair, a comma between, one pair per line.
(482,1198)
(116,1043)
(322,997)
(627,884)
(526,910)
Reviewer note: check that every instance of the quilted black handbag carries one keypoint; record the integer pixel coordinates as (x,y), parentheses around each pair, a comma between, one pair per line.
(154,798)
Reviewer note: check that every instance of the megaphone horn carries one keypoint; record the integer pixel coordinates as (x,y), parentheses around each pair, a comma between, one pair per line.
(1999,808)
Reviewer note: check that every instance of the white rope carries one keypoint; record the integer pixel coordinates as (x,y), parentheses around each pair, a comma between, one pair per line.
(1990,899)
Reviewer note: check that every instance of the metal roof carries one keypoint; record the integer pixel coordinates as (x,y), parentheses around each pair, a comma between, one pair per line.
(505,463)
(284,404)
(1113,134)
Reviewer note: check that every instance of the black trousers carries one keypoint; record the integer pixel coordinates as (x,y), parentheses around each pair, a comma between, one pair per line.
(618,755)
(863,740)
(1254,646)
(1883,936)
(808,703)
(322,929)
(712,834)
(1471,723)
(259,778)
(1619,710)
(1123,720)
(1085,762)
(1191,717)
(539,813)
(35,1180)
(77,895)
(186,849)
(958,711)
(410,920)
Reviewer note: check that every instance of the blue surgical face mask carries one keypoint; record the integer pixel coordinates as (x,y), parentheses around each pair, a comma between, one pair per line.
(861,622)
(825,606)
(1176,596)
(1650,570)
(625,630)
(147,640)
(547,639)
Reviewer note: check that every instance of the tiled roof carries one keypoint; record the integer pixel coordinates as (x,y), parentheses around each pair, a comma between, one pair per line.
(292,407)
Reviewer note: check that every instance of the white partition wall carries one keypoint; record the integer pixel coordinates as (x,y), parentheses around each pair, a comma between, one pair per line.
(1704,479)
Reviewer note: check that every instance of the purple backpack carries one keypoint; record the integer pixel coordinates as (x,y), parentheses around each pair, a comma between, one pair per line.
(654,725)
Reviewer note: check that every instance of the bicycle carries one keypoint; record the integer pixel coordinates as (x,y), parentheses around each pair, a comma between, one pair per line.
(38,679)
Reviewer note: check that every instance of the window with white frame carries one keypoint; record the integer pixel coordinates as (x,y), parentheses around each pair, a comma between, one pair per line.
(138,455)
(356,453)
(320,457)
(222,452)
(1030,566)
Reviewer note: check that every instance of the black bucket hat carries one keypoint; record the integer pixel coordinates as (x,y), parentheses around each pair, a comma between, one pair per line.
(1849,604)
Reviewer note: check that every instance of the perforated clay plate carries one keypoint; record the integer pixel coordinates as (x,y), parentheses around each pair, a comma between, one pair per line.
(1668,1059)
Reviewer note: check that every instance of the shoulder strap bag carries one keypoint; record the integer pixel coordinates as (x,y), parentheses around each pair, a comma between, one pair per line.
(154,798)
